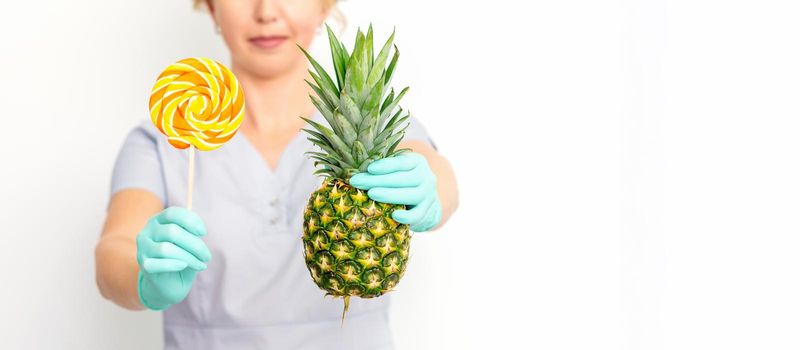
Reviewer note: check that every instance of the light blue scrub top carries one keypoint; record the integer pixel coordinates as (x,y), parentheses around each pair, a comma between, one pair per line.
(257,292)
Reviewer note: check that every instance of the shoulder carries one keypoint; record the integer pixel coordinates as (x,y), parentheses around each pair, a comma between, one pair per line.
(146,126)
(144,131)
(142,139)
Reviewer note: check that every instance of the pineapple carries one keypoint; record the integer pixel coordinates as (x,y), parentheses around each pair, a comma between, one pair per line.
(352,246)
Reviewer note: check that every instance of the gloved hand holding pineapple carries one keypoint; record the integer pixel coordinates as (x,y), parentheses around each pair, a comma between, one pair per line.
(356,243)
(404,179)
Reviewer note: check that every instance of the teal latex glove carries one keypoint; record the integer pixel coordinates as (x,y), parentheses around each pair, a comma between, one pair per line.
(404,179)
(170,253)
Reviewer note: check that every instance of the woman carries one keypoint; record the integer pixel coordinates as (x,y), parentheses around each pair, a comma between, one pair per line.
(229,274)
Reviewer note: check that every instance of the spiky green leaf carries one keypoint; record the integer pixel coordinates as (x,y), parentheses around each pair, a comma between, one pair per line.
(388,100)
(337,57)
(390,70)
(371,128)
(382,149)
(354,79)
(320,94)
(319,137)
(348,131)
(390,128)
(368,49)
(350,109)
(385,112)
(359,152)
(328,92)
(399,137)
(377,69)
(326,163)
(373,99)
(328,172)
(327,82)
(326,112)
(399,151)
(333,139)
(366,137)
(322,145)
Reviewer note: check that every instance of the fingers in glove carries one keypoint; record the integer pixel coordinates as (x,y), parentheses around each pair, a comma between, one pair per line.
(183,217)
(180,237)
(169,250)
(402,162)
(415,214)
(407,195)
(430,220)
(396,179)
(156,265)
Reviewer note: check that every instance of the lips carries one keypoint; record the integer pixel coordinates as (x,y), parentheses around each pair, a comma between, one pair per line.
(268,42)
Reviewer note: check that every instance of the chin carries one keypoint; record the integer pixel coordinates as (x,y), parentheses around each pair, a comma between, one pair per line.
(265,66)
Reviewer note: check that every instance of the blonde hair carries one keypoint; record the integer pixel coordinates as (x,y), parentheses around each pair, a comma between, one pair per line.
(328,4)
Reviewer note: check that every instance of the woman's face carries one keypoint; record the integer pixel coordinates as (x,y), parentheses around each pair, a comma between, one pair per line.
(261,34)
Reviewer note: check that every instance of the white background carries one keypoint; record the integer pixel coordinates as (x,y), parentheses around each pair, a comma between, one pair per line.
(628,169)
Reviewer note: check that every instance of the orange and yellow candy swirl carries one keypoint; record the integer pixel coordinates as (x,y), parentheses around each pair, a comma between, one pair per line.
(197,101)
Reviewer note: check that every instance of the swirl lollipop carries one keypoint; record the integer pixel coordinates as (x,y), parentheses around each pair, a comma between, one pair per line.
(197,103)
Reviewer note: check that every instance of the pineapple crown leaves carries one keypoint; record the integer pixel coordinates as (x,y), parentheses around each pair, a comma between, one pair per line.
(358,104)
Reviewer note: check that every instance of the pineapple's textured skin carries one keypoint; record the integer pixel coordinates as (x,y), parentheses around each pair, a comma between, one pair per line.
(352,246)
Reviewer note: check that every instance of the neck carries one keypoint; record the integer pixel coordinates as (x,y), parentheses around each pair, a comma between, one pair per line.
(275,103)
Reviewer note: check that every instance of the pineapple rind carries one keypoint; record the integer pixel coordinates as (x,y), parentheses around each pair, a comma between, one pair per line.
(365,259)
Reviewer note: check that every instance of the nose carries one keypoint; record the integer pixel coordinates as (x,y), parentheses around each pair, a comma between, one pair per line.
(266,11)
